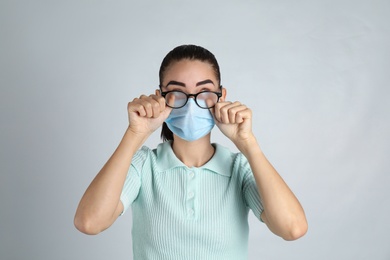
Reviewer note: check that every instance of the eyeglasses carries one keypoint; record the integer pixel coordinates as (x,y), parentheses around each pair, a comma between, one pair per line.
(178,99)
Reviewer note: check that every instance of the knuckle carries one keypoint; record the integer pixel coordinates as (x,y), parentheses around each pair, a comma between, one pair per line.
(156,105)
(132,105)
(218,105)
(161,100)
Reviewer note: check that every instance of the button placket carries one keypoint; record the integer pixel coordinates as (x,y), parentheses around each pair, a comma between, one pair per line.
(191,195)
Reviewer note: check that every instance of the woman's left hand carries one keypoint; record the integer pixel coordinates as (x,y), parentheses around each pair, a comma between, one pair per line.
(234,120)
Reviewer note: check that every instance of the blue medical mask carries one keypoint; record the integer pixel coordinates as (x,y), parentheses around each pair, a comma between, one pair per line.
(190,122)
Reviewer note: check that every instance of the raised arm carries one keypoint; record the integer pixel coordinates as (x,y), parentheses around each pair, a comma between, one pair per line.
(283,214)
(100,205)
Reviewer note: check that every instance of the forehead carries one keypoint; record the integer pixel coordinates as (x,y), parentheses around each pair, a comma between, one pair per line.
(189,70)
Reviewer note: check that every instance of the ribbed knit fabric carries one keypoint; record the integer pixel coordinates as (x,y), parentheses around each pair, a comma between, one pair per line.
(190,213)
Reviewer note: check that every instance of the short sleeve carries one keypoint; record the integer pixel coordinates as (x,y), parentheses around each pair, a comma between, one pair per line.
(250,191)
(132,183)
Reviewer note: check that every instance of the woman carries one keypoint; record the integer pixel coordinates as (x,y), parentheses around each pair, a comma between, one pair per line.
(190,198)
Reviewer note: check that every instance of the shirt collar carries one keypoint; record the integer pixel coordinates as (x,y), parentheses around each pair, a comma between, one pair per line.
(220,163)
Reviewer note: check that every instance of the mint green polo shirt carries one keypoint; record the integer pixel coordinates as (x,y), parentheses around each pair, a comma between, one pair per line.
(190,213)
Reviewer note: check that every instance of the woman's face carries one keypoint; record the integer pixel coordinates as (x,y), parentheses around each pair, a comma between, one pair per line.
(190,76)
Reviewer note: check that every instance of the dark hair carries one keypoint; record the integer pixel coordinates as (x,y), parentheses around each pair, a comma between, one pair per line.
(183,52)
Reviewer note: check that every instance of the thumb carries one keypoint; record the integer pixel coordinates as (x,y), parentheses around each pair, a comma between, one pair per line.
(166,112)
(212,112)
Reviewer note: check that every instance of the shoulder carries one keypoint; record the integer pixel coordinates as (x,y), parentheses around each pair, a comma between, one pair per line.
(226,160)
(225,155)
(143,155)
(145,151)
(158,159)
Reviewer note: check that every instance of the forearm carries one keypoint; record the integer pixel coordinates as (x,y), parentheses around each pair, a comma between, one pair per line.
(98,206)
(283,213)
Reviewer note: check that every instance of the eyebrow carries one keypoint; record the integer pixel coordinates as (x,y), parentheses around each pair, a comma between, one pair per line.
(204,82)
(173,82)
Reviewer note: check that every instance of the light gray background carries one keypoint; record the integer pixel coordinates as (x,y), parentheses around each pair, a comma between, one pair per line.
(315,74)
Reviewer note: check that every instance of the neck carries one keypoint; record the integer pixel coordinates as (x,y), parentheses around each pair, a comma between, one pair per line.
(195,153)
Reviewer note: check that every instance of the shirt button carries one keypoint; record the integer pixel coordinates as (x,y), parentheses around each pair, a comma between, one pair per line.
(191,212)
(192,174)
(191,194)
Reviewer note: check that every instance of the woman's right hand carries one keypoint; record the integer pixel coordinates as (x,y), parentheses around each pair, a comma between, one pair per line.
(147,113)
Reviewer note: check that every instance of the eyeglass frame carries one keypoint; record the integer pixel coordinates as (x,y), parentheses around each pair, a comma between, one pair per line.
(164,93)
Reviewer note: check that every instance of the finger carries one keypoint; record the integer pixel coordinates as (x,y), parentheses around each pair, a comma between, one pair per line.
(227,112)
(165,109)
(155,106)
(170,100)
(243,114)
(150,105)
(137,107)
(148,108)
(160,102)
(234,112)
(166,112)
(144,108)
(160,107)
(217,110)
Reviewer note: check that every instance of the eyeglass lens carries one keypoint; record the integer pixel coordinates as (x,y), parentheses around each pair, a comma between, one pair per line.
(177,99)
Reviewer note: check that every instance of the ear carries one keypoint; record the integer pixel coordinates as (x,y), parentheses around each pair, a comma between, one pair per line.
(223,97)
